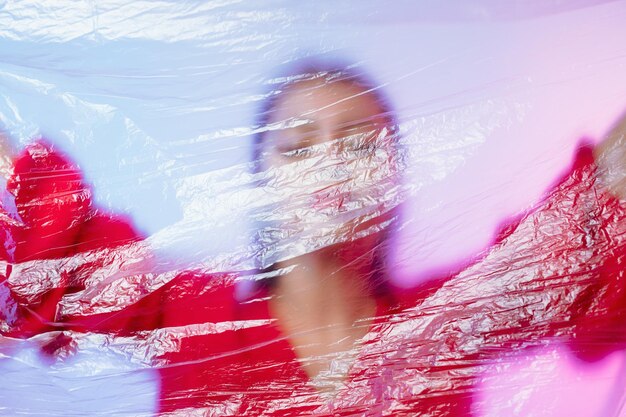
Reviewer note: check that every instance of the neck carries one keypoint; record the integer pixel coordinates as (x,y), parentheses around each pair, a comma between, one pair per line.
(323,308)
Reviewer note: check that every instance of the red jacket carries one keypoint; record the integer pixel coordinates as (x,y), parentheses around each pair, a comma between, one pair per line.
(555,274)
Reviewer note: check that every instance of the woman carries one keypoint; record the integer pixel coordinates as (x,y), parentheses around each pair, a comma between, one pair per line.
(327,334)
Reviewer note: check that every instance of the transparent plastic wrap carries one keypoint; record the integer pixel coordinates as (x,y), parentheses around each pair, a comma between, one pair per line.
(327,208)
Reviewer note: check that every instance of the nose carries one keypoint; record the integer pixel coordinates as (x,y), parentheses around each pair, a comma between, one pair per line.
(334,185)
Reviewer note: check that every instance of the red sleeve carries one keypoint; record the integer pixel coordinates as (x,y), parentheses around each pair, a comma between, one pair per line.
(597,315)
(556,272)
(57,220)
(580,229)
(599,312)
(52,202)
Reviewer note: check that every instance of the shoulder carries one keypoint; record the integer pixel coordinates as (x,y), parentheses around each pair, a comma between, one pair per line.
(104,230)
(194,297)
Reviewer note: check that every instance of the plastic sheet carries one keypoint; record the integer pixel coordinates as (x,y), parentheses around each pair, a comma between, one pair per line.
(331,208)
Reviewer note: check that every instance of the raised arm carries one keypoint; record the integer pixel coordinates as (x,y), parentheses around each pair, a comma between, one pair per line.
(61,240)
(610,157)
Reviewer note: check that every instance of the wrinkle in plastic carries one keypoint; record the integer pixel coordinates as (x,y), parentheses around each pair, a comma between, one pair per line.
(323,209)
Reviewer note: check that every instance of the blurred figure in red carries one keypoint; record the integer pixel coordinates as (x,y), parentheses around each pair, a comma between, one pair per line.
(325,333)
(55,242)
(47,214)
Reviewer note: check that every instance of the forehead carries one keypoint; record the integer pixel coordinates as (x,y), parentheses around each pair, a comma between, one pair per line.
(334,101)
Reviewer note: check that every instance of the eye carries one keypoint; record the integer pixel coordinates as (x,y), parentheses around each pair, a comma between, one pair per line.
(359,139)
(359,145)
(294,144)
(295,153)
(298,153)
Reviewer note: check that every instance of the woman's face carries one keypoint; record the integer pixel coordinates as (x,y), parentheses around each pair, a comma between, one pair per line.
(317,117)
(328,153)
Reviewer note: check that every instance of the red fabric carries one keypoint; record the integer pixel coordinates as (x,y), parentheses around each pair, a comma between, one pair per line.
(553,274)
(56,219)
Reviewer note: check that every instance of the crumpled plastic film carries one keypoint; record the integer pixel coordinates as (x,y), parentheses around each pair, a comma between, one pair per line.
(329,208)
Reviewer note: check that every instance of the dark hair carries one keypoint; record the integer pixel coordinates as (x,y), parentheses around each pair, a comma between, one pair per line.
(331,71)
(308,69)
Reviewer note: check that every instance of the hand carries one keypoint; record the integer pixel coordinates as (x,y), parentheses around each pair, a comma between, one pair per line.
(610,157)
(6,155)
